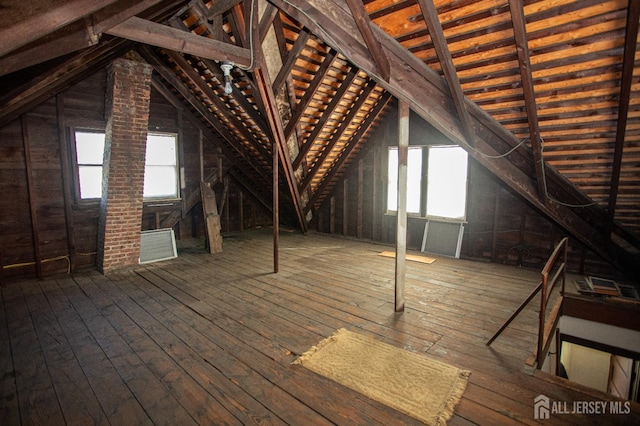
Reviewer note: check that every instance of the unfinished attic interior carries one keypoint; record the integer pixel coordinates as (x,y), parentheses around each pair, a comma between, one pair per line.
(198,192)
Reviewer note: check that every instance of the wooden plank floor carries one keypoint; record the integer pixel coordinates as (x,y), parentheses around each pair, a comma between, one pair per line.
(207,339)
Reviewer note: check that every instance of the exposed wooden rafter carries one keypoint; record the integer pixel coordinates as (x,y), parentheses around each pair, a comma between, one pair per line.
(326,19)
(631,37)
(158,35)
(430,15)
(364,25)
(308,95)
(326,115)
(280,149)
(59,78)
(280,142)
(290,60)
(168,75)
(335,137)
(215,100)
(46,21)
(221,6)
(522,46)
(321,191)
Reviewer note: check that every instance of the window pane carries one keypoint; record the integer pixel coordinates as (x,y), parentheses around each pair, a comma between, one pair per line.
(89,147)
(90,181)
(447,182)
(161,176)
(392,187)
(161,150)
(160,181)
(414,178)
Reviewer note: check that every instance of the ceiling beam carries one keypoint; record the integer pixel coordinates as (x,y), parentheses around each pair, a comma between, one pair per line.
(300,107)
(280,148)
(168,75)
(219,104)
(279,140)
(147,32)
(364,23)
(335,137)
(320,192)
(439,40)
(221,6)
(292,55)
(524,60)
(77,35)
(59,78)
(428,96)
(631,37)
(336,99)
(55,45)
(41,23)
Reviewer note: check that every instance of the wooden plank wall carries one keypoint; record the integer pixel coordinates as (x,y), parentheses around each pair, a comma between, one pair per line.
(501,227)
(29,239)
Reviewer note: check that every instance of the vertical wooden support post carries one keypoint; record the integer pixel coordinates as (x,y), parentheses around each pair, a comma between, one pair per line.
(401,226)
(31,192)
(241,210)
(494,232)
(220,173)
(67,181)
(345,207)
(181,175)
(201,153)
(375,211)
(276,213)
(360,198)
(332,216)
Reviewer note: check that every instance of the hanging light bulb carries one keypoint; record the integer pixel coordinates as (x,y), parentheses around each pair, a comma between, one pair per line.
(226,70)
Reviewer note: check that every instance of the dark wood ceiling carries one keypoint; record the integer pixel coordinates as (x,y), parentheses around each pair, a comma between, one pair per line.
(544,94)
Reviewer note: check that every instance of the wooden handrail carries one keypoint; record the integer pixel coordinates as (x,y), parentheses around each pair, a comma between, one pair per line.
(545,286)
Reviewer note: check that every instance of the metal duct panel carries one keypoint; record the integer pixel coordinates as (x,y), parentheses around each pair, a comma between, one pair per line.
(157,245)
(443,238)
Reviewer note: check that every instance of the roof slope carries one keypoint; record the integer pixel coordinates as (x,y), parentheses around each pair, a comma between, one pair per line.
(543,94)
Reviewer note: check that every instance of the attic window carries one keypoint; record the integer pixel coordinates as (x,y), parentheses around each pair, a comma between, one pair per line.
(161,165)
(436,181)
(89,149)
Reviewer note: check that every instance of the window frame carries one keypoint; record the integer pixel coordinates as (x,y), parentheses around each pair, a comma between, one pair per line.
(76,165)
(176,167)
(424,186)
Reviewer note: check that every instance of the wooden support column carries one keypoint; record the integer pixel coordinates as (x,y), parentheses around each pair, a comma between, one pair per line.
(31,190)
(401,226)
(276,213)
(332,216)
(241,210)
(345,207)
(67,181)
(360,198)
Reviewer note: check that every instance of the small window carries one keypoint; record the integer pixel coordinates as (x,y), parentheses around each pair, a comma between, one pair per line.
(414,180)
(89,149)
(161,165)
(161,168)
(447,182)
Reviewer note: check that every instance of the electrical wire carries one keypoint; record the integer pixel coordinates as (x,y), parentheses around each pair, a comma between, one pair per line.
(251,41)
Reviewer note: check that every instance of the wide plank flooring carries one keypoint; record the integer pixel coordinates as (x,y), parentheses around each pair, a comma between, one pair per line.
(209,339)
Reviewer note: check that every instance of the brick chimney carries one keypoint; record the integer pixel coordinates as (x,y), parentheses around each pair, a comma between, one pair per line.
(127,109)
